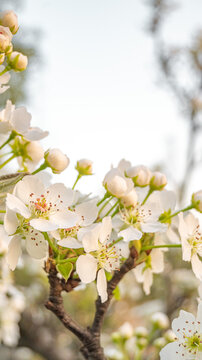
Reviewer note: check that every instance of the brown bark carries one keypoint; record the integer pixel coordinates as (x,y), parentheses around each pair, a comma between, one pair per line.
(91,348)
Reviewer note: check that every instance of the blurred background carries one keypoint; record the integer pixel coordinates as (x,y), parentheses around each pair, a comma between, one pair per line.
(110,80)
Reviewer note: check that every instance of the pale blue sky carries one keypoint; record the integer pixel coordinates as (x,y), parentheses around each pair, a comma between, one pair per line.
(97,92)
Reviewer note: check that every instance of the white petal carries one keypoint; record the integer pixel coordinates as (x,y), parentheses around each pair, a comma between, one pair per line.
(199,312)
(197,266)
(153,227)
(58,192)
(4,127)
(10,222)
(157,260)
(64,219)
(30,184)
(36,245)
(139,274)
(89,211)
(14,252)
(106,229)
(181,322)
(43,225)
(15,204)
(21,120)
(90,241)
(192,222)
(169,352)
(172,235)
(70,243)
(86,267)
(148,280)
(34,134)
(130,234)
(102,285)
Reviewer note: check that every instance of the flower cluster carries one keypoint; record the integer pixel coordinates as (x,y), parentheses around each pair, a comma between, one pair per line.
(14,60)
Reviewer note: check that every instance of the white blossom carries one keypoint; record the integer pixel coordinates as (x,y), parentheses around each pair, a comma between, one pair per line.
(140,219)
(188,343)
(71,237)
(100,256)
(191,238)
(18,120)
(153,265)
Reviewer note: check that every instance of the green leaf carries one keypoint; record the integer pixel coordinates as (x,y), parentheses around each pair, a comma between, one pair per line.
(7,181)
(65,269)
(116,293)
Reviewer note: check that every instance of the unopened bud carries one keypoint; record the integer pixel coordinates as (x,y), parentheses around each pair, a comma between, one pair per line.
(5,38)
(126,330)
(117,184)
(141,175)
(141,331)
(84,167)
(160,320)
(159,342)
(35,151)
(56,160)
(169,335)
(158,181)
(130,199)
(197,200)
(9,18)
(2,58)
(17,61)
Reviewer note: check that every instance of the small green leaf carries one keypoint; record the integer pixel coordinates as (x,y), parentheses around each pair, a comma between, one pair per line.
(65,269)
(116,293)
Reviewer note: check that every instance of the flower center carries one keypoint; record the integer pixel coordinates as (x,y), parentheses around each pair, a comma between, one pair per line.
(135,216)
(196,241)
(192,343)
(69,231)
(41,206)
(107,257)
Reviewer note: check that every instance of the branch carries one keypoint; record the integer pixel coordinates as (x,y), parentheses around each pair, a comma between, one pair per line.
(55,304)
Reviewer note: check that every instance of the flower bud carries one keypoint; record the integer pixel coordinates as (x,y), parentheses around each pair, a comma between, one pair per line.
(2,58)
(117,184)
(158,181)
(5,38)
(35,151)
(160,320)
(56,160)
(9,18)
(169,335)
(126,330)
(84,167)
(159,342)
(130,199)
(17,61)
(197,200)
(141,331)
(141,175)
(141,343)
